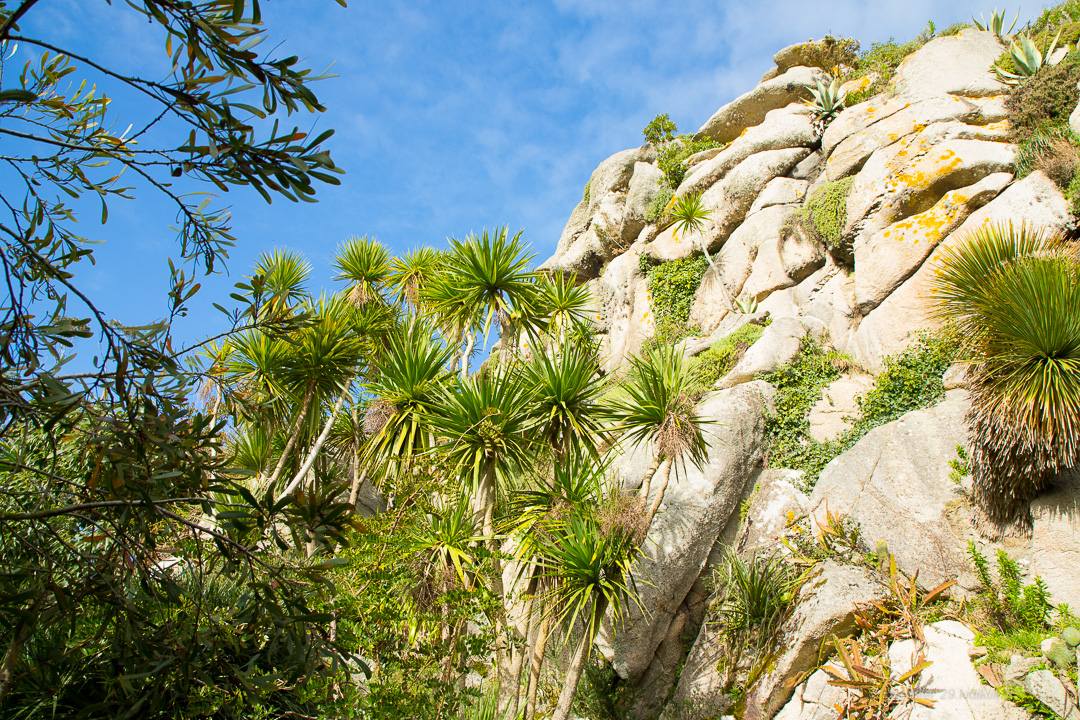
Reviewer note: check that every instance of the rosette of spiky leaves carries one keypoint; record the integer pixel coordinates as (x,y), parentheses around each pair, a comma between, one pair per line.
(443,540)
(1027,59)
(486,428)
(408,379)
(825,102)
(688,213)
(325,352)
(656,407)
(410,273)
(278,283)
(365,264)
(996,24)
(563,302)
(1015,295)
(490,277)
(252,370)
(253,447)
(565,390)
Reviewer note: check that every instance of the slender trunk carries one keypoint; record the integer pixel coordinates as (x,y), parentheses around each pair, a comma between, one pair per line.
(356,476)
(577,666)
(317,447)
(664,477)
(513,692)
(646,482)
(486,496)
(293,437)
(469,343)
(14,651)
(539,649)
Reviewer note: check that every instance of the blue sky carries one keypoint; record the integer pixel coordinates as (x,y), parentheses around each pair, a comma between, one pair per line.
(455,116)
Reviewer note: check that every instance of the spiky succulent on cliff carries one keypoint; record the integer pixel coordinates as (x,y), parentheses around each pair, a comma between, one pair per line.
(996,24)
(1014,293)
(826,103)
(1027,59)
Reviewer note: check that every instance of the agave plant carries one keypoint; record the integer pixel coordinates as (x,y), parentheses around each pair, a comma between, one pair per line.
(1014,293)
(996,25)
(825,104)
(748,306)
(658,410)
(1027,59)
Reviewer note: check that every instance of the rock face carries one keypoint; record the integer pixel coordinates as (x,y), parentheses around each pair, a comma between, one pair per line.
(895,484)
(828,417)
(778,344)
(748,110)
(695,510)
(957,65)
(1055,540)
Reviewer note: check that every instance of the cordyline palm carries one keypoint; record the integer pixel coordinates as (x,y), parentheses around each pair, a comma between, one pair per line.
(486,433)
(657,411)
(535,511)
(688,214)
(408,379)
(588,569)
(365,264)
(1014,295)
(278,283)
(563,302)
(410,273)
(566,390)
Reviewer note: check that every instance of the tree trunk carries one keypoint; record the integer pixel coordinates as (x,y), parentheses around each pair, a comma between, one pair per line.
(357,478)
(317,447)
(646,482)
(297,427)
(466,354)
(577,665)
(486,497)
(664,477)
(719,278)
(539,649)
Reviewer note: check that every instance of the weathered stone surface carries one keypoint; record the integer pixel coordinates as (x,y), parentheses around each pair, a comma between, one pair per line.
(614,173)
(890,327)
(778,344)
(826,607)
(775,497)
(787,127)
(876,124)
(1055,539)
(887,258)
(781,191)
(813,700)
(624,313)
(806,54)
(644,185)
(1044,685)
(800,254)
(895,484)
(828,416)
(748,110)
(910,176)
(700,157)
(810,167)
(712,302)
(696,507)
(955,65)
(768,274)
(829,296)
(728,202)
(951,681)
(730,323)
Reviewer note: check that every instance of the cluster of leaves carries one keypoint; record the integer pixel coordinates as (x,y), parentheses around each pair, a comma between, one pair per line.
(1006,602)
(672,286)
(659,204)
(830,53)
(721,357)
(909,381)
(673,156)
(824,214)
(603,694)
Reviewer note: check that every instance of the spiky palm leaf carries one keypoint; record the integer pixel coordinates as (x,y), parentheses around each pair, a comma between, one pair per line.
(365,264)
(564,303)
(996,24)
(1015,295)
(566,389)
(410,273)
(444,538)
(279,282)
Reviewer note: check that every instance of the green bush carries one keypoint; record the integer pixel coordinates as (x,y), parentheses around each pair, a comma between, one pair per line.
(660,129)
(1052,149)
(1051,18)
(1072,194)
(1046,99)
(658,204)
(672,286)
(830,53)
(825,213)
(585,192)
(717,361)
(955,29)
(673,154)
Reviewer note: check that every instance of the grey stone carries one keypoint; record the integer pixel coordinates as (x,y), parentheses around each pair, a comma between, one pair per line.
(778,344)
(826,606)
(890,256)
(767,275)
(696,507)
(749,109)
(800,254)
(624,310)
(614,173)
(1044,685)
(775,500)
(1055,540)
(890,327)
(810,167)
(781,191)
(1018,667)
(644,186)
(954,65)
(830,416)
(894,483)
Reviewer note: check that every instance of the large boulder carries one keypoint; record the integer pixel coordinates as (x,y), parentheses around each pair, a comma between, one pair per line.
(831,415)
(889,257)
(895,484)
(815,699)
(624,317)
(781,191)
(696,508)
(728,202)
(826,606)
(1055,540)
(750,109)
(783,128)
(614,174)
(775,503)
(953,65)
(778,344)
(800,254)
(891,326)
(644,186)
(767,275)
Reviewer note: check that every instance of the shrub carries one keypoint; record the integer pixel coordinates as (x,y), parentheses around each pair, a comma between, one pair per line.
(1007,602)
(673,154)
(955,29)
(673,285)
(1047,98)
(754,593)
(660,129)
(717,361)
(824,215)
(830,53)
(1054,151)
(659,204)
(585,192)
(1072,194)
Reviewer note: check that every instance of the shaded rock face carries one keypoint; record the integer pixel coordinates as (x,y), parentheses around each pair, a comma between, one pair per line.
(1055,540)
(750,109)
(696,507)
